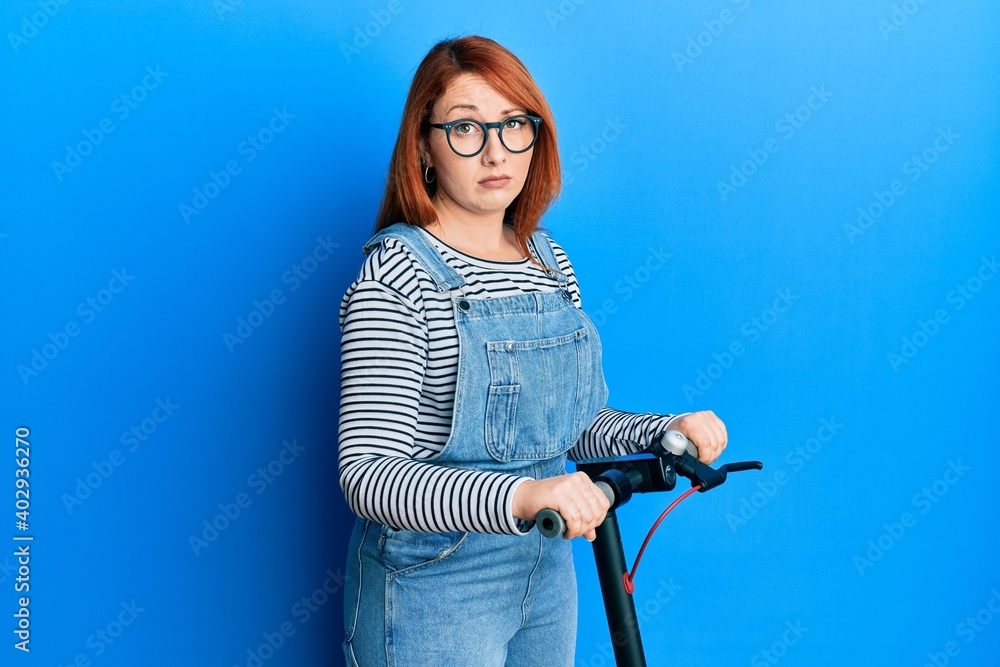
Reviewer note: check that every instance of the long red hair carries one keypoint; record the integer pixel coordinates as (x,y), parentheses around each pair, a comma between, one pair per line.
(407,197)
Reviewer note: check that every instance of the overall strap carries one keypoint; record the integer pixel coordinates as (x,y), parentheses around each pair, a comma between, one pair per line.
(417,243)
(548,256)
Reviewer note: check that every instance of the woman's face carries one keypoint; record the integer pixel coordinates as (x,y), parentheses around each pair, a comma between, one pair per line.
(461,180)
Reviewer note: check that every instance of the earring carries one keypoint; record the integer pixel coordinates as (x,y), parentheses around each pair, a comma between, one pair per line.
(427,169)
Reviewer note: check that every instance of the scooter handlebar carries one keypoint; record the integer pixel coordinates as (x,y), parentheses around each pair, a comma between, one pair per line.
(672,446)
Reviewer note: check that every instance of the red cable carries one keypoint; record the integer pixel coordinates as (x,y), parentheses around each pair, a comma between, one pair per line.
(627,578)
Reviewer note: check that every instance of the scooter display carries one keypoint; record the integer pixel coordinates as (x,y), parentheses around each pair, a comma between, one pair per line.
(652,470)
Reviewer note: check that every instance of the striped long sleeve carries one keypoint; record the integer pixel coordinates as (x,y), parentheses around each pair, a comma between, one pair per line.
(399,356)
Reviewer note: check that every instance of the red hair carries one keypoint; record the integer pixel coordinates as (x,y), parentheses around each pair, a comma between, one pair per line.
(407,197)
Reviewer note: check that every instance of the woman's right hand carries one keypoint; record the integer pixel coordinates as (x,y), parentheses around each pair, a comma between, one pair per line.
(582,505)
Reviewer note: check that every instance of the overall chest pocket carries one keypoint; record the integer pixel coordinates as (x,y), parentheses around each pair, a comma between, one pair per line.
(537,395)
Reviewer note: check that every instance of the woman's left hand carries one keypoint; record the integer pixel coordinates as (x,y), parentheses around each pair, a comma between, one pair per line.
(706,431)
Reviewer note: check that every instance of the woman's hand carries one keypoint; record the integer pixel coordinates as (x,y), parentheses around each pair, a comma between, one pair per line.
(582,505)
(706,431)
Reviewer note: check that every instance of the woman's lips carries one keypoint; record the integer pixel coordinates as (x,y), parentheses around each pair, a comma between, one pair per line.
(495,182)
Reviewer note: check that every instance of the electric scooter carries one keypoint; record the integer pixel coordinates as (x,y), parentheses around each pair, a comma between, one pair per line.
(652,470)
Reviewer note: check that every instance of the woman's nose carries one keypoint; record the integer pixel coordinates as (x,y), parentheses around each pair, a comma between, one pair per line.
(494,149)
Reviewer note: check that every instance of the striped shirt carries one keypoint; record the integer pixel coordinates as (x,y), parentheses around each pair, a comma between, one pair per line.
(399,359)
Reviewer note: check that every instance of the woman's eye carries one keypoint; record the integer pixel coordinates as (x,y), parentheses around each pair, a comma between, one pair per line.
(465,128)
(514,123)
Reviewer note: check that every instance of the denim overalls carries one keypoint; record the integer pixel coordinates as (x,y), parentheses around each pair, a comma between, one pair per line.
(529,382)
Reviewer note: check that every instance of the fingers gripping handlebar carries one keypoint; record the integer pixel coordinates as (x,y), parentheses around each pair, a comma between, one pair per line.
(551,523)
(654,469)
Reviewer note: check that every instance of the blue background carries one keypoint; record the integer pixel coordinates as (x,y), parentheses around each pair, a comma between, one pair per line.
(830,555)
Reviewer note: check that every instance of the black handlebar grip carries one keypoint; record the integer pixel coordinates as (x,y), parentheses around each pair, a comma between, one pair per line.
(551,524)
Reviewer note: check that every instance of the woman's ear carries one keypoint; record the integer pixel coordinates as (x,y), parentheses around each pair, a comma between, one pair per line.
(425,155)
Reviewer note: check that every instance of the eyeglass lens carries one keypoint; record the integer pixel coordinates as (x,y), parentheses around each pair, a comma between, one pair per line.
(469,137)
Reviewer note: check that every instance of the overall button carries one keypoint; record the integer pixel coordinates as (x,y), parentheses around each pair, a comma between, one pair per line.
(463,305)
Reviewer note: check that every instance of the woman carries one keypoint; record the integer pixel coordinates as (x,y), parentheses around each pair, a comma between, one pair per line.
(469,375)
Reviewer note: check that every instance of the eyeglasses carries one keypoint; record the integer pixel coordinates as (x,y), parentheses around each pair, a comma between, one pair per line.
(467,137)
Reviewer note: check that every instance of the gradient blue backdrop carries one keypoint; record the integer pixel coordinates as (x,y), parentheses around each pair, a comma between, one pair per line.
(170,166)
